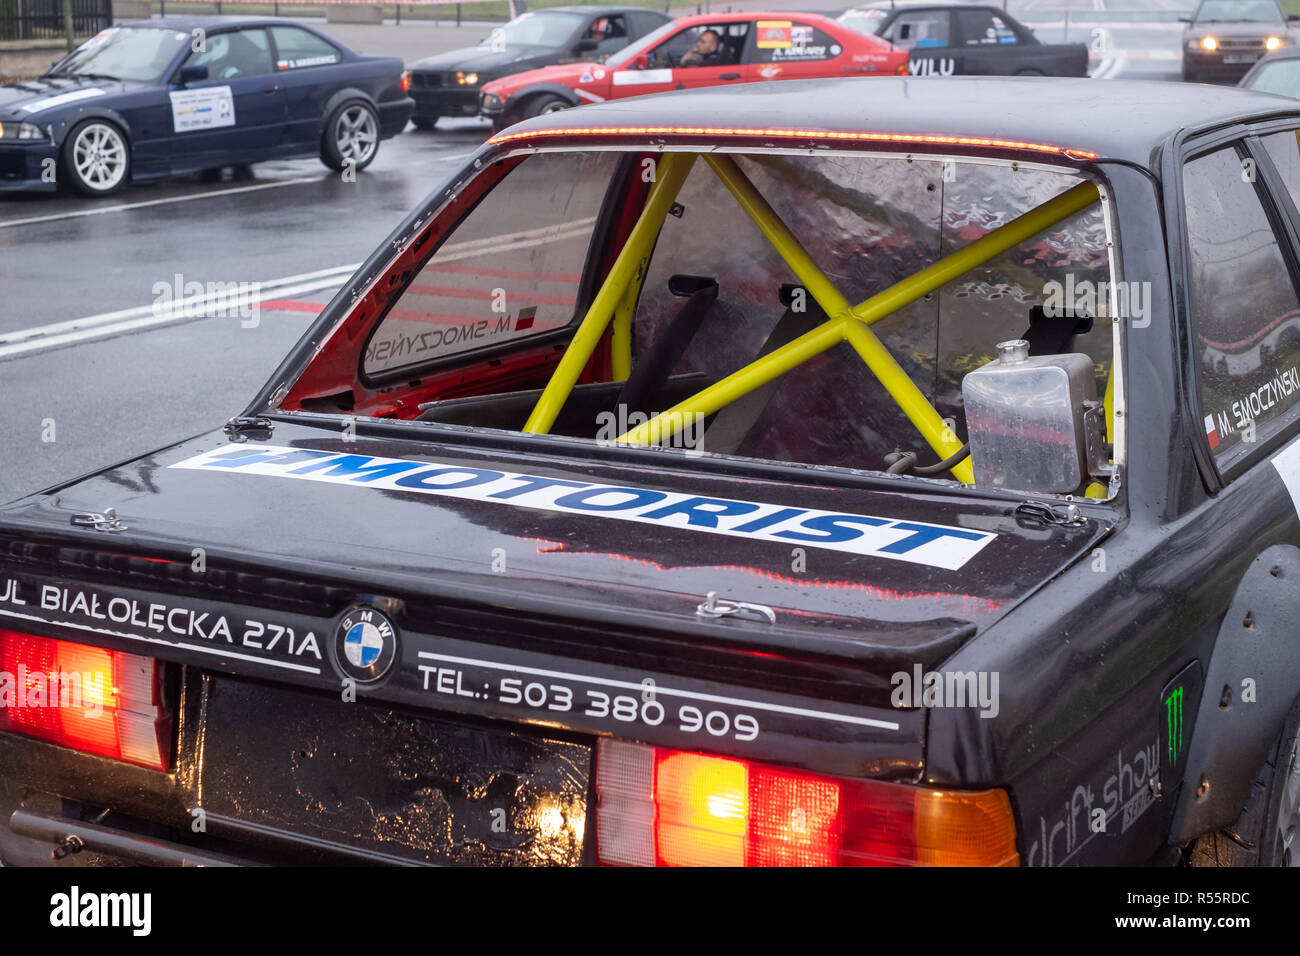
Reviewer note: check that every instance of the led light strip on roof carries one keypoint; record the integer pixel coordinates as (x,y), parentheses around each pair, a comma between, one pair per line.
(838,135)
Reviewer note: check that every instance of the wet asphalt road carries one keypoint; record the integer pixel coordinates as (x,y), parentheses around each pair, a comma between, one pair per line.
(64,258)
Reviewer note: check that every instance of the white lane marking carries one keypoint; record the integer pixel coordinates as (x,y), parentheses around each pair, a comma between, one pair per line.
(219,652)
(659,689)
(209,194)
(42,337)
(119,207)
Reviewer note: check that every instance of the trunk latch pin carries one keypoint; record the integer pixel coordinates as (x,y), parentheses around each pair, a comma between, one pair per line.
(715,606)
(108,521)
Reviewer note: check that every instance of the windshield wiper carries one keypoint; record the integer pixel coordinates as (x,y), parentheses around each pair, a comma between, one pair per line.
(85,76)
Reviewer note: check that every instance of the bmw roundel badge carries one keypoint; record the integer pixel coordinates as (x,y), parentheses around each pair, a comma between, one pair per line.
(365,644)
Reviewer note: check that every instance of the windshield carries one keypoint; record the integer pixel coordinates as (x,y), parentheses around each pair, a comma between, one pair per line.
(471,333)
(627,54)
(536,29)
(866,21)
(1254,11)
(133,53)
(1281,77)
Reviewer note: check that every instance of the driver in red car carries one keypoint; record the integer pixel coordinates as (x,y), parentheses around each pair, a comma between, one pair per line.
(706,52)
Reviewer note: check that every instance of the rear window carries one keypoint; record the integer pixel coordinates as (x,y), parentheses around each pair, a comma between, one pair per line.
(297,48)
(786,41)
(864,21)
(510,272)
(713,295)
(1246,315)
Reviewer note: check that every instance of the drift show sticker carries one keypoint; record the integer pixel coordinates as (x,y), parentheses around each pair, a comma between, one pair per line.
(208,108)
(642,77)
(62,99)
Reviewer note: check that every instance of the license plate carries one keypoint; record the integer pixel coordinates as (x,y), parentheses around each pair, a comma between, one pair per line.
(1241,58)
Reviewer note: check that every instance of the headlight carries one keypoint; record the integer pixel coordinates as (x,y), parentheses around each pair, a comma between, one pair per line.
(466,79)
(1273,43)
(1209,43)
(491,101)
(27,131)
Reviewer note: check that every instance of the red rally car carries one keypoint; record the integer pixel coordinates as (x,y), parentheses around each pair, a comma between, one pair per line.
(742,48)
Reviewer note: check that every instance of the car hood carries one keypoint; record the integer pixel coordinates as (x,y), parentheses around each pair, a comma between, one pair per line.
(33,99)
(482,58)
(336,513)
(566,74)
(1240,30)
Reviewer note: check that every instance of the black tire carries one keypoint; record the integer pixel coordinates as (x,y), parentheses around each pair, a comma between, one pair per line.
(95,158)
(350,133)
(1029,73)
(546,103)
(424,123)
(1268,831)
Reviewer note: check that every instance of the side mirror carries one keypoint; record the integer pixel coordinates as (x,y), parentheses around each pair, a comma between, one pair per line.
(586,45)
(1035,423)
(193,74)
(641,62)
(54,63)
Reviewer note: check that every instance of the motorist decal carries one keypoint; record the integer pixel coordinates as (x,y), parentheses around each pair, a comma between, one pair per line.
(917,542)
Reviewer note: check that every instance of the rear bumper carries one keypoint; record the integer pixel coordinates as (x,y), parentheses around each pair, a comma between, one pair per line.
(320,782)
(1210,66)
(393,116)
(436,103)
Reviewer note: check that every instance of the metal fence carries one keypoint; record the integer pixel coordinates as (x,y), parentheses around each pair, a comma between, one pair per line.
(43,19)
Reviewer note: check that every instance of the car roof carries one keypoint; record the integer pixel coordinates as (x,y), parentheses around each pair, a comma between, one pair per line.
(600,11)
(922,4)
(929,112)
(739,15)
(211,22)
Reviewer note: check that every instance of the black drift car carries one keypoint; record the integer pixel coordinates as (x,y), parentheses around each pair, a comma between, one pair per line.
(722,478)
(961,39)
(447,85)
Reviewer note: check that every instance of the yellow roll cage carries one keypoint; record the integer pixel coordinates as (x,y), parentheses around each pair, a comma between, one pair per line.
(617,298)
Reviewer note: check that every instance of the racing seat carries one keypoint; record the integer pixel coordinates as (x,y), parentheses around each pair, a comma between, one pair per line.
(733,422)
(1054,334)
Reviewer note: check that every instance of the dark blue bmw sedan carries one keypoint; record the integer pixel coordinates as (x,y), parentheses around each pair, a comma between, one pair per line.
(183,94)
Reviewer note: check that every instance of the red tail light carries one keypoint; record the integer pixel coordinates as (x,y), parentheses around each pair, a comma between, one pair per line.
(99,701)
(658,807)
(406,81)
